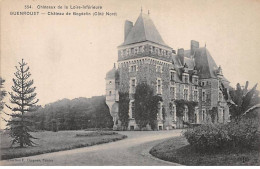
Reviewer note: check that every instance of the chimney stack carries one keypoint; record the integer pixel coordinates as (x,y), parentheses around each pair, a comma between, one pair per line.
(128,26)
(193,46)
(180,55)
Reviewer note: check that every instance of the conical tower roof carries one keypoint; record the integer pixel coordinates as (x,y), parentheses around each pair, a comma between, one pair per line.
(144,30)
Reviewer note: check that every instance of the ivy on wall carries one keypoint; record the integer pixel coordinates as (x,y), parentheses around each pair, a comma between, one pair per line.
(180,107)
(146,106)
(123,109)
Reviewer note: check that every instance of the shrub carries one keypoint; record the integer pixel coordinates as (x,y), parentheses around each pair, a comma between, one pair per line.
(244,134)
(207,137)
(235,135)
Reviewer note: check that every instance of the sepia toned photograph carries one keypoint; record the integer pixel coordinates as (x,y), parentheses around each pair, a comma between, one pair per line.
(130,83)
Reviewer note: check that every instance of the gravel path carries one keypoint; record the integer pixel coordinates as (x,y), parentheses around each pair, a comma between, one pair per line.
(131,151)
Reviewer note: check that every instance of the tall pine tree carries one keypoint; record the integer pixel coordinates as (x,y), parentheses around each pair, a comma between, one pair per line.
(24,100)
(2,93)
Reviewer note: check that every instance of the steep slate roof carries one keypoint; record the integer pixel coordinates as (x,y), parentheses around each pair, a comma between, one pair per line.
(112,74)
(144,30)
(205,63)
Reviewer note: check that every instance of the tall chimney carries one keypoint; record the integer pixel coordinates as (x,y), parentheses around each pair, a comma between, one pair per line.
(128,27)
(180,55)
(193,46)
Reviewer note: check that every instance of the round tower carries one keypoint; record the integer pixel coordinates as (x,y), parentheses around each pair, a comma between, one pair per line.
(112,97)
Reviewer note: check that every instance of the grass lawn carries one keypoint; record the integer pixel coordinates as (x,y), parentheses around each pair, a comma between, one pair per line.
(178,150)
(56,141)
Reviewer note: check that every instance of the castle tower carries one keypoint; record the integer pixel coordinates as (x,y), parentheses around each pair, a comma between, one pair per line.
(144,56)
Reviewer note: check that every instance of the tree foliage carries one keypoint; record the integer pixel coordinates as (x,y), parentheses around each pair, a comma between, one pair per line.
(124,109)
(241,100)
(23,99)
(2,93)
(76,114)
(146,106)
(180,107)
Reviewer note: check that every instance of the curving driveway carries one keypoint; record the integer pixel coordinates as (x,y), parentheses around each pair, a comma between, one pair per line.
(131,151)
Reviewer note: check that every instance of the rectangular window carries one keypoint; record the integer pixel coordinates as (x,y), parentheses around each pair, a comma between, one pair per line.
(172,76)
(133,109)
(133,68)
(133,86)
(186,79)
(203,96)
(195,96)
(172,111)
(185,94)
(185,116)
(110,93)
(159,87)
(159,110)
(203,114)
(172,92)
(132,50)
(158,69)
(221,115)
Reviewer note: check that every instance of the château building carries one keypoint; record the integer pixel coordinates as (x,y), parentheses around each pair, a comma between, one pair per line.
(190,75)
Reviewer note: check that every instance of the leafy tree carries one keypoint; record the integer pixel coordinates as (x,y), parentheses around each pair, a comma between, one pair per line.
(23,98)
(146,106)
(2,93)
(241,100)
(124,109)
(75,114)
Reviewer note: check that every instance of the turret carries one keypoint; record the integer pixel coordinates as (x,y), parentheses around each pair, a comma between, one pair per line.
(112,97)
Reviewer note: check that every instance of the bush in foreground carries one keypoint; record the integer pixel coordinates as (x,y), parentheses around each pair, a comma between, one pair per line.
(235,135)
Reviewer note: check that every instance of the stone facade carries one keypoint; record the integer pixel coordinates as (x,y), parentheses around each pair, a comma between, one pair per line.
(190,75)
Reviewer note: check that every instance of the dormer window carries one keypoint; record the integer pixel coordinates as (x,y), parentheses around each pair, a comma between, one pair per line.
(195,80)
(185,78)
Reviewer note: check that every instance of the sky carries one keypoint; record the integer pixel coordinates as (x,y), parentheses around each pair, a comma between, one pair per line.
(69,56)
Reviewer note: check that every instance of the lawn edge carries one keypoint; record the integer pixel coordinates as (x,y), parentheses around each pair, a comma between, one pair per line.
(64,149)
(157,158)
